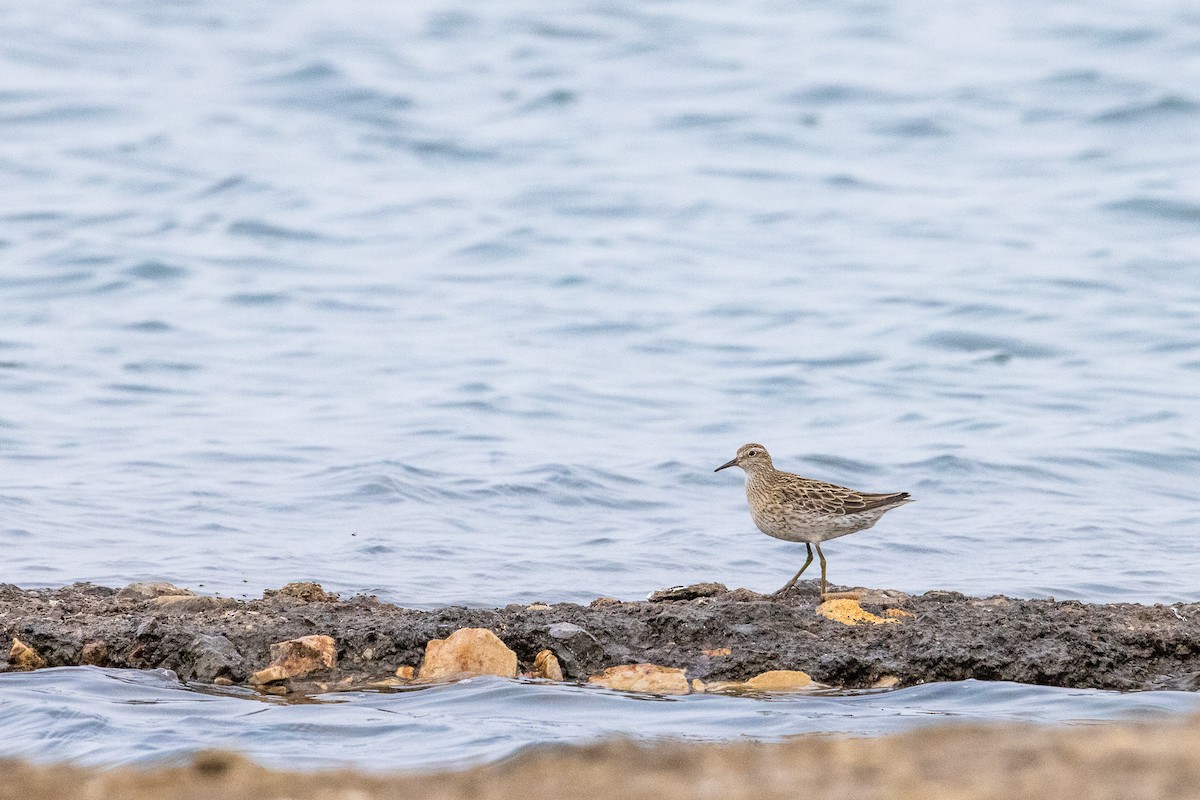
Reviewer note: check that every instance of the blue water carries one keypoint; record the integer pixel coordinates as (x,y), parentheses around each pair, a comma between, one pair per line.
(451,302)
(109,717)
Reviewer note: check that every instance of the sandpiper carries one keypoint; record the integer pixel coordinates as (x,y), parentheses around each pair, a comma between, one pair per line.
(800,509)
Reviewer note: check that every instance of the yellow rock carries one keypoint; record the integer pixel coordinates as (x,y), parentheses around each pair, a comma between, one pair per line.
(718,652)
(537,607)
(545,665)
(775,680)
(779,680)
(94,654)
(23,657)
(304,656)
(649,678)
(296,658)
(273,674)
(849,612)
(698,686)
(896,613)
(406,673)
(886,682)
(466,652)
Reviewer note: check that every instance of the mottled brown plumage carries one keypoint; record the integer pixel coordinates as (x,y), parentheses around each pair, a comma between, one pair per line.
(800,509)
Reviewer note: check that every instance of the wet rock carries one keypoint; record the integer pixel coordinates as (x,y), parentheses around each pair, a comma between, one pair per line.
(688,592)
(776,680)
(648,678)
(273,674)
(94,654)
(850,612)
(304,656)
(208,657)
(546,666)
(190,604)
(297,658)
(575,648)
(726,637)
(22,657)
(304,591)
(466,652)
(148,591)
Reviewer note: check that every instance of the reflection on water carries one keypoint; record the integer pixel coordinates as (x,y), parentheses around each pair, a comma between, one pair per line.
(119,716)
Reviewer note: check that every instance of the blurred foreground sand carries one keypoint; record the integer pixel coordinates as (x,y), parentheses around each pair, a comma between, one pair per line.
(1145,760)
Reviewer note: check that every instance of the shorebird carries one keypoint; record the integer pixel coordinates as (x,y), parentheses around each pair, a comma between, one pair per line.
(799,509)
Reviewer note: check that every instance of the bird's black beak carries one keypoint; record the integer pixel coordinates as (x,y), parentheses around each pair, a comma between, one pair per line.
(731,463)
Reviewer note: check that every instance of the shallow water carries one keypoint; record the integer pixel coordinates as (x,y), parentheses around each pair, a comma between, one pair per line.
(451,303)
(127,716)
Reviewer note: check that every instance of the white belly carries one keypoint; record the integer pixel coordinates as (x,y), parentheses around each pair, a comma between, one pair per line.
(814,529)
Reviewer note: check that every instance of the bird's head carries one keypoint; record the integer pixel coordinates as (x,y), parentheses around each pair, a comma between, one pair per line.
(750,457)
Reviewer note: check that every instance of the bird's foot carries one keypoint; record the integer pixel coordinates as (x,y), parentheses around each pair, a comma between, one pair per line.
(854,595)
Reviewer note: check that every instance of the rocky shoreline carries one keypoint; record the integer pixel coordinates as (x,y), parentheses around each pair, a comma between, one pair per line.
(700,636)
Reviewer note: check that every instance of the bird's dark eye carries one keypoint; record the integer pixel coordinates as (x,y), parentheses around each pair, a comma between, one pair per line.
(751,452)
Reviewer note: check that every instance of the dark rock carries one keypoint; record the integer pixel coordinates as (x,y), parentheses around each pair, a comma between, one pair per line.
(208,657)
(148,591)
(189,604)
(304,591)
(575,649)
(688,592)
(948,637)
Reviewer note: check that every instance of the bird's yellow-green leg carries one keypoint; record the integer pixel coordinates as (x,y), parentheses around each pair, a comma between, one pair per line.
(822,557)
(792,582)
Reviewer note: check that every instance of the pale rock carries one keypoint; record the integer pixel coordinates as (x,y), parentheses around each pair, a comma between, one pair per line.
(467,652)
(649,678)
(545,665)
(304,656)
(779,680)
(22,657)
(296,658)
(849,612)
(775,680)
(406,673)
(273,674)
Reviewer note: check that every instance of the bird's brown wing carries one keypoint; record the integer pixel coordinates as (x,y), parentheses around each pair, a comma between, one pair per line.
(829,498)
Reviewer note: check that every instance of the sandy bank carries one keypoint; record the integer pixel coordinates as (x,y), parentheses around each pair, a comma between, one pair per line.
(1160,761)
